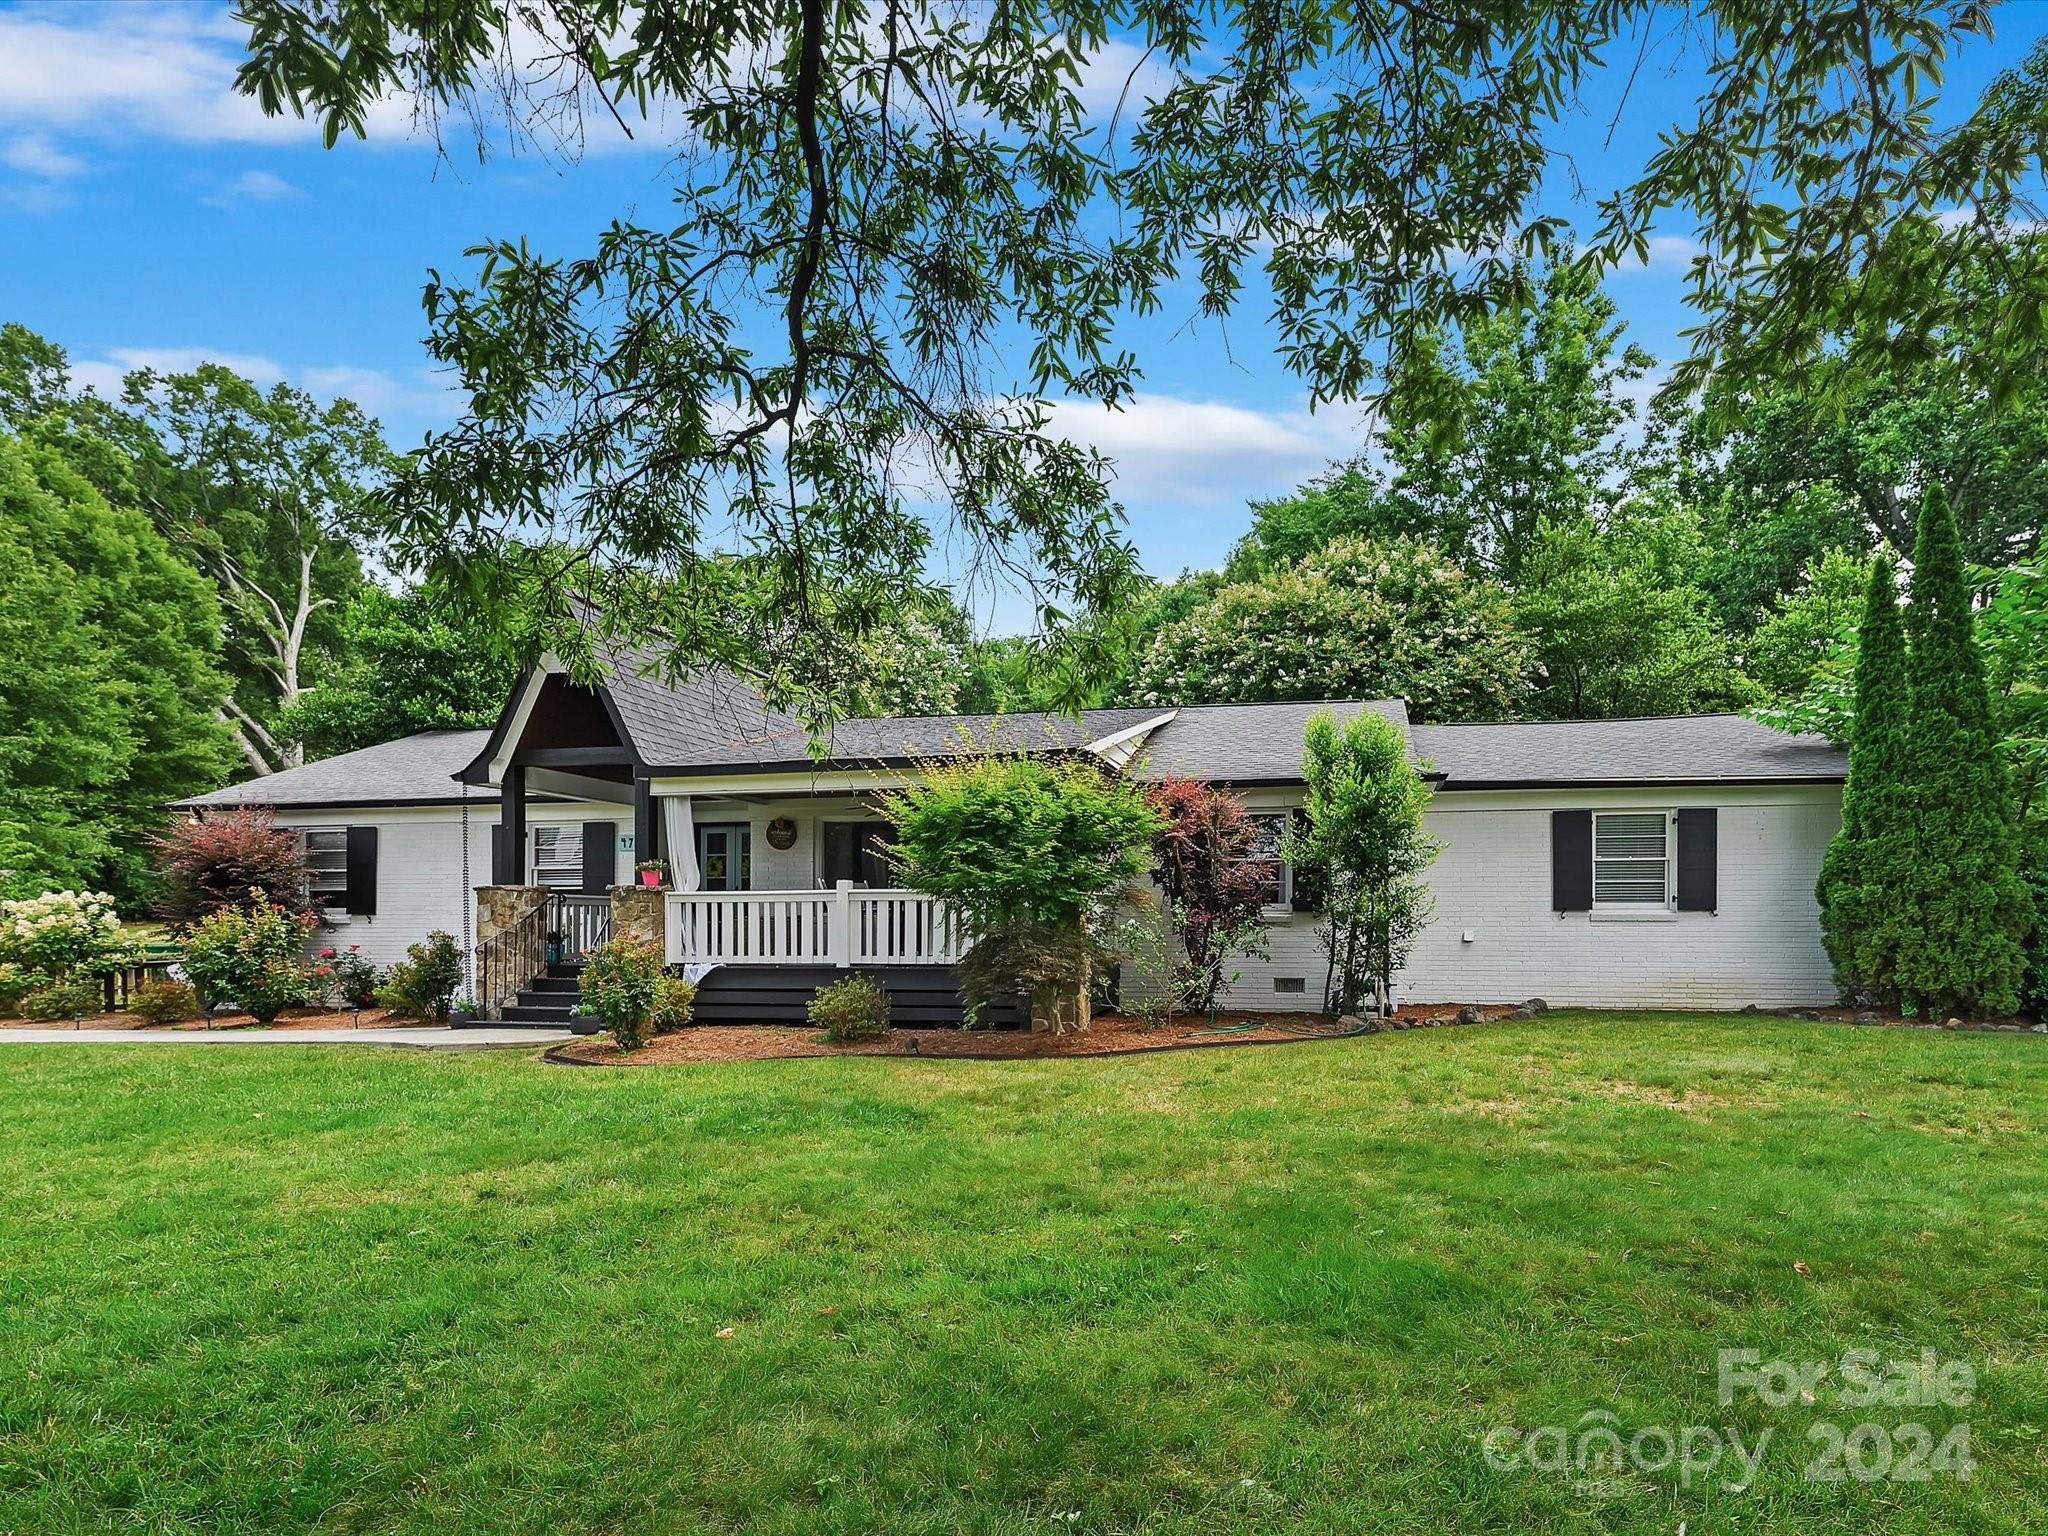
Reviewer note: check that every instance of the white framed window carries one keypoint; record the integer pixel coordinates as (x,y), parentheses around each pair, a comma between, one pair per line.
(327,866)
(1632,859)
(558,857)
(1269,830)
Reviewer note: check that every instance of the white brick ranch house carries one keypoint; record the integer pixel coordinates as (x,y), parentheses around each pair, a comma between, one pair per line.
(1655,862)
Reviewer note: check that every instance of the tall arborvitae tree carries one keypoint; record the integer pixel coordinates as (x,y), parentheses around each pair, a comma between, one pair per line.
(1970,912)
(1861,890)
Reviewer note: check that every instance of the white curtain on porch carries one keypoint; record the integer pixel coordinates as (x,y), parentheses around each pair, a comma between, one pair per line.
(680,833)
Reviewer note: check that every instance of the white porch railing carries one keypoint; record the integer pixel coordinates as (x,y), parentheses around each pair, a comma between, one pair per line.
(844,926)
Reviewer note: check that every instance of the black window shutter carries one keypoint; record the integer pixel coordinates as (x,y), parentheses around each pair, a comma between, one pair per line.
(361,899)
(1698,860)
(501,861)
(1571,861)
(599,863)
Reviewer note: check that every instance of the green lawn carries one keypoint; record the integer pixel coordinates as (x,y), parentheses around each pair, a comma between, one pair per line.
(265,1289)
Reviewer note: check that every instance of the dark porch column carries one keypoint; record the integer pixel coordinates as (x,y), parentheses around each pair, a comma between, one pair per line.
(645,831)
(512,821)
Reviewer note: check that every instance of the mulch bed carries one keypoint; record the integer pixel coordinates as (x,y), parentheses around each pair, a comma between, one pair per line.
(1110,1034)
(291,1018)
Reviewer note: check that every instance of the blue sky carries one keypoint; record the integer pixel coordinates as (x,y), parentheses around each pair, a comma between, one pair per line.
(148,215)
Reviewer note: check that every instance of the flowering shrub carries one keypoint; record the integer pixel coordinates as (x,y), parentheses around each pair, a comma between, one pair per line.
(253,957)
(1360,619)
(228,860)
(62,932)
(424,983)
(620,980)
(355,977)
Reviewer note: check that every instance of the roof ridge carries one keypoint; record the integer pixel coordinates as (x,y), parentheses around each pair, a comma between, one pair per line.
(1705,714)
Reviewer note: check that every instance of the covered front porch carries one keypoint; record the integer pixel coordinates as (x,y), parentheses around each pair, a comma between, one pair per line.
(783,871)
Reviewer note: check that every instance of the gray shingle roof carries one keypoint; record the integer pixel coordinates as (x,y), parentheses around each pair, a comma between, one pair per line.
(413,768)
(1247,743)
(1666,749)
(716,722)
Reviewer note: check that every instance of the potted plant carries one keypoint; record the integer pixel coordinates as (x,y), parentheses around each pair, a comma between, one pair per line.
(464,1010)
(651,871)
(555,941)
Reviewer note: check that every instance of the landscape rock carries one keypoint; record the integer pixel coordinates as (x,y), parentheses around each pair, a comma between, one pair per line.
(1868,1018)
(1536,1005)
(1951,1023)
(1470,1015)
(1523,1012)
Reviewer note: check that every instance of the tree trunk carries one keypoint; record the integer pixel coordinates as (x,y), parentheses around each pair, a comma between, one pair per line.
(1061,1008)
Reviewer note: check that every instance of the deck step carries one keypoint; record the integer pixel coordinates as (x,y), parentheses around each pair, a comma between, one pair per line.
(524,1012)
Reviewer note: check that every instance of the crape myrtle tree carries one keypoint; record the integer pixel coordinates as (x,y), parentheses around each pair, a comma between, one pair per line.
(1213,888)
(771,395)
(230,858)
(1360,842)
(1969,910)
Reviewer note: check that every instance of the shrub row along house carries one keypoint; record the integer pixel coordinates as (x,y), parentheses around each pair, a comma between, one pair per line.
(1619,863)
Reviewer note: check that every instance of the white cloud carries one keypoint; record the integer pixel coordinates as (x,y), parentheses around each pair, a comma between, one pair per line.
(34,154)
(35,197)
(420,396)
(255,187)
(116,70)
(1118,79)
(1669,251)
(117,73)
(1206,453)
(1965,218)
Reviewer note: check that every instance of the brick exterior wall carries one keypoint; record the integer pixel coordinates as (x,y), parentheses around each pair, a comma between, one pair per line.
(1492,880)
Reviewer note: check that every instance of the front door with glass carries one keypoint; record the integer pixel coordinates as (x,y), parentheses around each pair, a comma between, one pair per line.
(725,856)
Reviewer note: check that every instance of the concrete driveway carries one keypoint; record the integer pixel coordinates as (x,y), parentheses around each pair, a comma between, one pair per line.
(419,1039)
